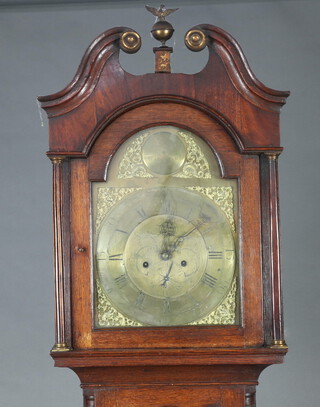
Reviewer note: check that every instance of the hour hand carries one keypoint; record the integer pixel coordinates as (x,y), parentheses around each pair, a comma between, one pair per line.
(166,278)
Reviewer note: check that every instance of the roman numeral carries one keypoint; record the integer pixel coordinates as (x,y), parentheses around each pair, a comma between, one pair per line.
(196,305)
(229,254)
(204,218)
(112,221)
(140,298)
(141,213)
(209,280)
(166,305)
(101,256)
(118,256)
(121,231)
(215,255)
(223,286)
(121,281)
(189,213)
(169,206)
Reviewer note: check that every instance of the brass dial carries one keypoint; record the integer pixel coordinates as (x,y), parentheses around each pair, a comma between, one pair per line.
(165,256)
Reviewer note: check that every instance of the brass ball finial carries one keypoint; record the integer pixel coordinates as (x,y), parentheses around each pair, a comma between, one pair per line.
(161,30)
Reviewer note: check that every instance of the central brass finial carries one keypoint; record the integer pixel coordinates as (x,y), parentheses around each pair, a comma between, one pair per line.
(161,13)
(161,30)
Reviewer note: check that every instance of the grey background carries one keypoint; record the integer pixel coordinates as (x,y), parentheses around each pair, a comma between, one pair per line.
(40,49)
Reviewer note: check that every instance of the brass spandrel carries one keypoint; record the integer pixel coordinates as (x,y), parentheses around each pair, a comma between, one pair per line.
(107,198)
(223,197)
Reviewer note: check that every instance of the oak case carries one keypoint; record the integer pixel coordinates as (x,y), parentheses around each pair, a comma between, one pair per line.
(238,117)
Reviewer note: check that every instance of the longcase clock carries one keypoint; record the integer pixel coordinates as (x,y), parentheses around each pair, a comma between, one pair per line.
(166,229)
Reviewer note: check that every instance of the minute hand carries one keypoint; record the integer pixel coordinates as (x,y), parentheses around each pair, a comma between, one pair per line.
(182,237)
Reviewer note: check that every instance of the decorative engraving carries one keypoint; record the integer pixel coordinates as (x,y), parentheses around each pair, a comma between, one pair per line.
(223,197)
(195,166)
(107,197)
(162,63)
(131,165)
(225,313)
(107,315)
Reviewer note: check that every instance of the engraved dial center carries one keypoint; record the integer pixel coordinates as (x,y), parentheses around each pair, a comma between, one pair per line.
(163,258)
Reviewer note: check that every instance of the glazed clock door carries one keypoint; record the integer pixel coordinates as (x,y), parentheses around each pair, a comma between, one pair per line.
(164,234)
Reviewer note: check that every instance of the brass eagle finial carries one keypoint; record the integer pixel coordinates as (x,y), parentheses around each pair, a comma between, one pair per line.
(161,13)
(162,31)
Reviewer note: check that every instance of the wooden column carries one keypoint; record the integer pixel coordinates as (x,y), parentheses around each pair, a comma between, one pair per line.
(271,251)
(59,266)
